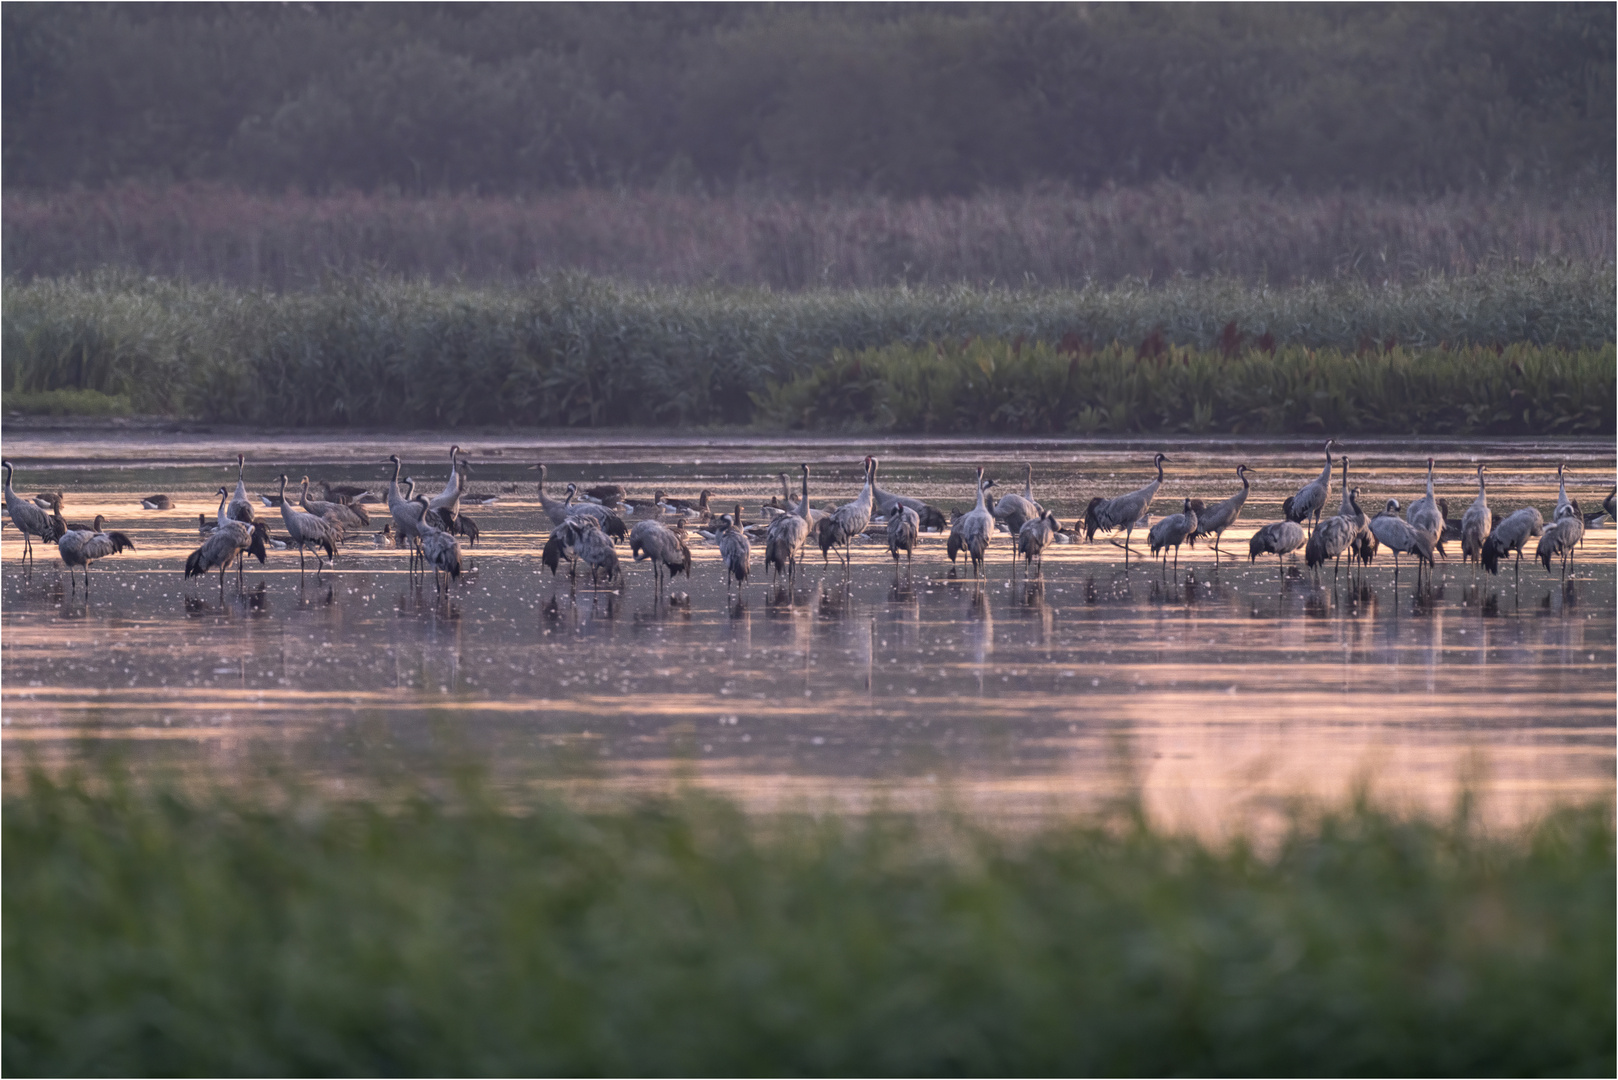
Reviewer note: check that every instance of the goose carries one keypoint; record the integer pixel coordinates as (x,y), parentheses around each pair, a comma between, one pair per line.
(157,502)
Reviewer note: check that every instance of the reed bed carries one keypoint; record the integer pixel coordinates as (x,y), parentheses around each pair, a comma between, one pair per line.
(155,928)
(1038,388)
(571,350)
(1055,237)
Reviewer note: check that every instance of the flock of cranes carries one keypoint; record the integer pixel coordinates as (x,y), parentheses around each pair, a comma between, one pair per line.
(586,526)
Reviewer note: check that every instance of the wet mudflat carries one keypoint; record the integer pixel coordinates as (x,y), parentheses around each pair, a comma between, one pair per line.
(1216,690)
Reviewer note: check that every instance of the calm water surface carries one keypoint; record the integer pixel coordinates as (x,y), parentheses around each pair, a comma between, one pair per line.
(1216,691)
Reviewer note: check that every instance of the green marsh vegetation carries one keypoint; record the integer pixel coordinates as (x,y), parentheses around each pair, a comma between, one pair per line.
(571,350)
(157,927)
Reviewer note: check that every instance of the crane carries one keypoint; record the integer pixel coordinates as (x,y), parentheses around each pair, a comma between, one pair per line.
(1424,516)
(309,531)
(1214,522)
(1401,538)
(1558,540)
(241,507)
(904,527)
(849,520)
(1279,539)
(1310,499)
(81,547)
(1510,534)
(1034,537)
(972,529)
(30,520)
(669,553)
(1172,532)
(784,539)
(1015,509)
(228,539)
(734,550)
(1476,524)
(1122,511)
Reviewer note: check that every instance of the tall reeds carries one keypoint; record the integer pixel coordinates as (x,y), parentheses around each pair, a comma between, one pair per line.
(172,929)
(1052,237)
(569,350)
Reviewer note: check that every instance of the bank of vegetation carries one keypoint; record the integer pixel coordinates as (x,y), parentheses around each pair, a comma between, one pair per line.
(569,350)
(1045,237)
(257,929)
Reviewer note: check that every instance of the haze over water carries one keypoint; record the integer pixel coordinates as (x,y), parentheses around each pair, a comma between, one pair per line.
(1216,690)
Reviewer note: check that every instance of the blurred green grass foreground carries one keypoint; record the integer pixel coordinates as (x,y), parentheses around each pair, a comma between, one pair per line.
(150,928)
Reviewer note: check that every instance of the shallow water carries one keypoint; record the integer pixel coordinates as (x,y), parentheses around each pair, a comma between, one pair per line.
(1217,692)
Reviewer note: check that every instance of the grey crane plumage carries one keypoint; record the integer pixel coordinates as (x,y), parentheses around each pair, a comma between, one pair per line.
(309,531)
(885,501)
(1122,511)
(439,549)
(555,509)
(1476,523)
(81,547)
(227,540)
(1510,534)
(1401,538)
(734,551)
(1310,500)
(1424,516)
(241,507)
(1035,536)
(1336,536)
(1214,521)
(1015,509)
(668,550)
(904,528)
(971,531)
(348,518)
(605,520)
(30,520)
(784,539)
(1561,537)
(406,514)
(1172,531)
(849,520)
(1279,538)
(447,503)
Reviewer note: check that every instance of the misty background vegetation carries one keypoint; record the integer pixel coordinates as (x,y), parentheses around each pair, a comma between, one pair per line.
(901,100)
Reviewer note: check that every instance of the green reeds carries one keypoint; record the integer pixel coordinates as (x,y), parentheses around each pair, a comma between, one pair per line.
(1013,387)
(167,929)
(570,350)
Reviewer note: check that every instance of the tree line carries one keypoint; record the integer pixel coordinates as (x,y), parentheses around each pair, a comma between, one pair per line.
(898,100)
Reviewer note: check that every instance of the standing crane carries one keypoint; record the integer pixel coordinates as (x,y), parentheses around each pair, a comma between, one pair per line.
(1014,509)
(1560,539)
(1337,535)
(784,539)
(439,549)
(348,518)
(1510,534)
(1279,539)
(605,520)
(1122,511)
(81,547)
(1476,524)
(308,531)
(406,514)
(1401,538)
(1309,500)
(669,552)
(1424,516)
(447,503)
(30,520)
(930,517)
(241,507)
(1214,522)
(734,550)
(227,540)
(1172,531)
(904,527)
(1034,537)
(849,520)
(972,530)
